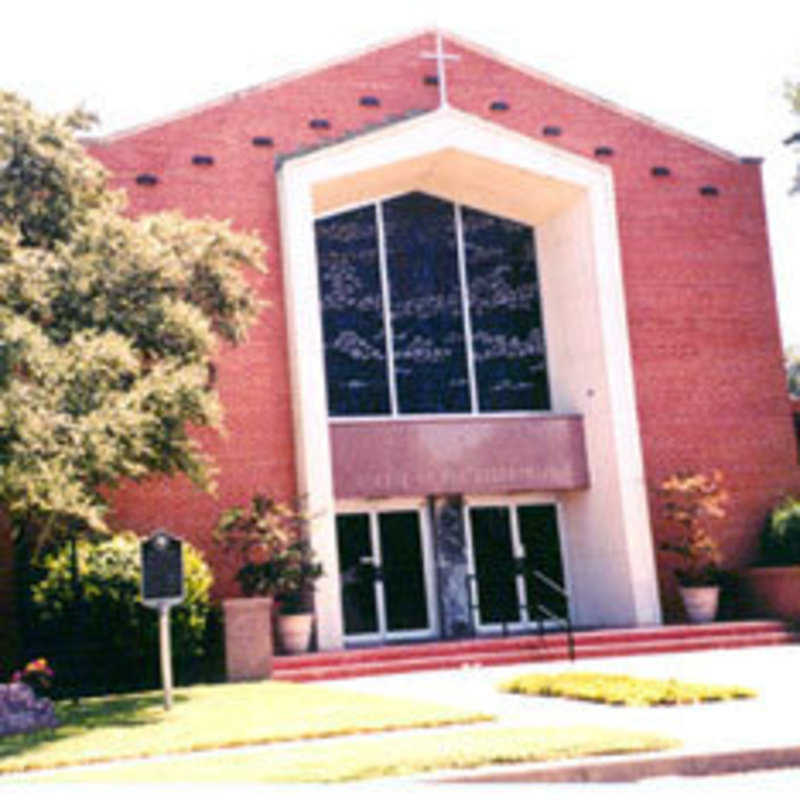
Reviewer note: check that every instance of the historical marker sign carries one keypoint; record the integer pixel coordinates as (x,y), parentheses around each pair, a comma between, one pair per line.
(162,587)
(162,569)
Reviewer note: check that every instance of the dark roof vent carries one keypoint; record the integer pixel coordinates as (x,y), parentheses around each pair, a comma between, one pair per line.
(603,151)
(551,130)
(369,100)
(206,161)
(146,179)
(709,191)
(262,141)
(660,172)
(499,105)
(431,80)
(319,124)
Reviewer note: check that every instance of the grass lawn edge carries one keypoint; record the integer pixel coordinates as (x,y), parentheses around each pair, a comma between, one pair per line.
(205,719)
(427,752)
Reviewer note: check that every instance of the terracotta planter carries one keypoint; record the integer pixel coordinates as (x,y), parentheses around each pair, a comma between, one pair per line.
(248,638)
(774,591)
(294,631)
(700,602)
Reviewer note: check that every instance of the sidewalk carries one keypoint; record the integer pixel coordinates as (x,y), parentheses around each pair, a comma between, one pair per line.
(717,737)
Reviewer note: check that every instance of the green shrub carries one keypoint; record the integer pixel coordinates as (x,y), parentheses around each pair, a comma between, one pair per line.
(118,644)
(780,539)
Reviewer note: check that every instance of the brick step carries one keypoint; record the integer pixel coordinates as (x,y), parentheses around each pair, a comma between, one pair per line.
(611,650)
(398,652)
(677,632)
(327,671)
(357,670)
(394,652)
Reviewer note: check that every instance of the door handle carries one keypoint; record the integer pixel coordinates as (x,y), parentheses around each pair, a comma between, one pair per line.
(369,569)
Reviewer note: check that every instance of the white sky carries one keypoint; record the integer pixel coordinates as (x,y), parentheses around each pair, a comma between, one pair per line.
(713,68)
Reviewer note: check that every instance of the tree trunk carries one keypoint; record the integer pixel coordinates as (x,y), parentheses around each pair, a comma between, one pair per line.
(76,647)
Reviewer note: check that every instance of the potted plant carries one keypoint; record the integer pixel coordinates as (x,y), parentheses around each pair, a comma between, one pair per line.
(277,563)
(298,571)
(690,501)
(774,583)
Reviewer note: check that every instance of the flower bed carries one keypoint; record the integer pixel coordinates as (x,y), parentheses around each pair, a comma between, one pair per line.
(624,690)
(21,711)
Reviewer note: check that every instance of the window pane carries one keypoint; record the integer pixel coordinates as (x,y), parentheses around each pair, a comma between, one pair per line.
(494,565)
(357,574)
(403,577)
(352,313)
(427,323)
(507,331)
(538,532)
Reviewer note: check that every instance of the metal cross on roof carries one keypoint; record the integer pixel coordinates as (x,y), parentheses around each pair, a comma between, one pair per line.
(441,57)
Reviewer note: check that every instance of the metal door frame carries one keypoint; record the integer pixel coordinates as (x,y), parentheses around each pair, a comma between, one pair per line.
(382,634)
(524,623)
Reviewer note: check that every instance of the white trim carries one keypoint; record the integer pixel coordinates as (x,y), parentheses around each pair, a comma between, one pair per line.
(609,543)
(624,417)
(313,461)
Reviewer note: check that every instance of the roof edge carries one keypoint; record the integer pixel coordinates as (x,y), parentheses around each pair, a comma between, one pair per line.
(468,44)
(238,94)
(489,52)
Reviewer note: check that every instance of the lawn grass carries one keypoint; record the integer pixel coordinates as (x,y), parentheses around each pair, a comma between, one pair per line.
(374,757)
(626,690)
(206,717)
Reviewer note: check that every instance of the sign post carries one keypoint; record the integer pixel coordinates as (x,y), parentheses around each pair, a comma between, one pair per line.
(162,588)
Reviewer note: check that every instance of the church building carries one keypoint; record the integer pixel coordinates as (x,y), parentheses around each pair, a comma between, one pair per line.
(501,310)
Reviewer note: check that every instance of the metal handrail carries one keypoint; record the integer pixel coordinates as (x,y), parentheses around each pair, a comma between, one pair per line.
(552,615)
(542,611)
(540,576)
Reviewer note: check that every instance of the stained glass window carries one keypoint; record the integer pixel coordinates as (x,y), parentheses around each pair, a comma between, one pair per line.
(427,324)
(352,313)
(465,331)
(507,338)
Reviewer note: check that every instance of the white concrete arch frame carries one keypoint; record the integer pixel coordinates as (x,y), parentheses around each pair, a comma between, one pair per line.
(570,201)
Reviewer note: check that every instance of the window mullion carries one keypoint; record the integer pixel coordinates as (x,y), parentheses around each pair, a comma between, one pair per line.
(465,312)
(387,311)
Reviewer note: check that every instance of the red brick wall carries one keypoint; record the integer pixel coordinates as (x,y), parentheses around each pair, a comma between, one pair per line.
(700,298)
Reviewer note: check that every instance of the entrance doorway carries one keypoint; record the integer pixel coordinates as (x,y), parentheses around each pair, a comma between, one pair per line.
(515,564)
(385,572)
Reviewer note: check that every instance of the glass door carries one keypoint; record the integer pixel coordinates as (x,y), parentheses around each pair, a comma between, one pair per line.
(385,575)
(544,570)
(516,566)
(494,555)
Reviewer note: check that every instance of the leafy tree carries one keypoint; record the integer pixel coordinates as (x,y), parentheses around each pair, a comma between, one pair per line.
(108,329)
(793,96)
(791,360)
